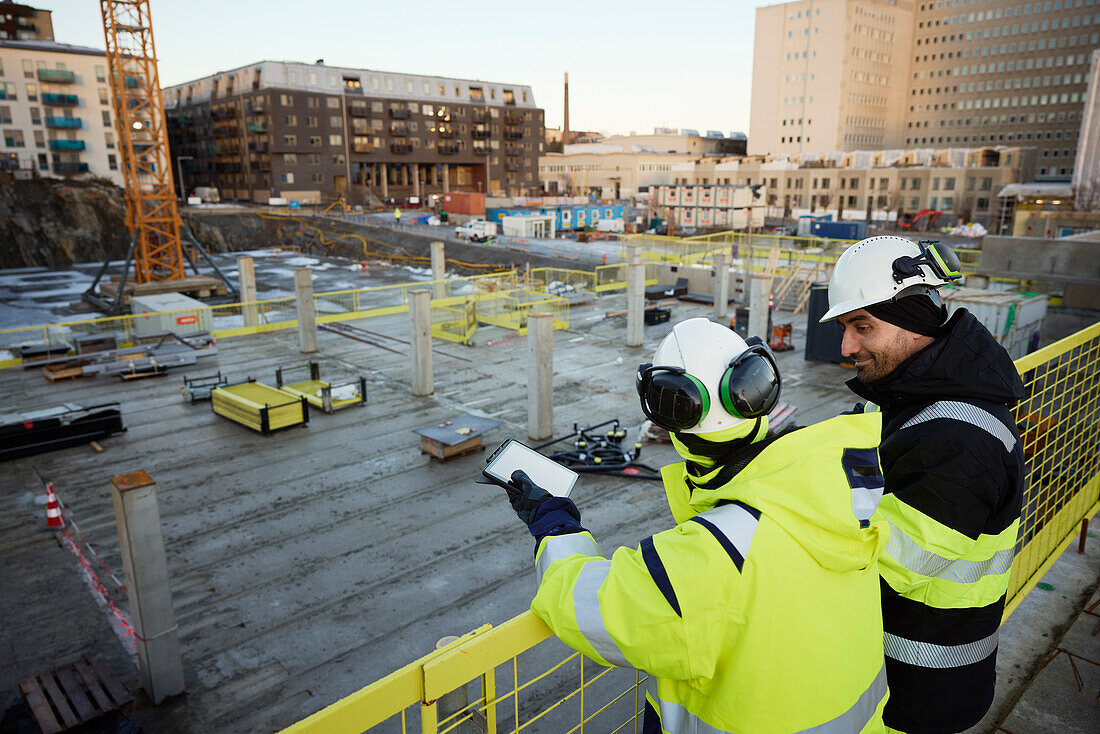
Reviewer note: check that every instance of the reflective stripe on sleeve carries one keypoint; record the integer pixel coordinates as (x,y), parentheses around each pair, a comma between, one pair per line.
(734,526)
(556,547)
(589,618)
(966,413)
(675,719)
(930,655)
(910,555)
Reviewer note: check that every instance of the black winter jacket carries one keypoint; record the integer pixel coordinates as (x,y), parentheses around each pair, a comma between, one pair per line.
(952,457)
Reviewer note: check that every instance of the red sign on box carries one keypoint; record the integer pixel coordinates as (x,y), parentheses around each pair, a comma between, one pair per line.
(192,319)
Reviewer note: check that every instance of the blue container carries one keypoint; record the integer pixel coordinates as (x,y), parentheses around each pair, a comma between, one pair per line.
(839,230)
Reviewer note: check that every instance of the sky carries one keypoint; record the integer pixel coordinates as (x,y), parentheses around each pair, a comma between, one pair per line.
(632,66)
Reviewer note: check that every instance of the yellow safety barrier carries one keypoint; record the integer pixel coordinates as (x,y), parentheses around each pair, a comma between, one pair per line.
(604,279)
(1061,428)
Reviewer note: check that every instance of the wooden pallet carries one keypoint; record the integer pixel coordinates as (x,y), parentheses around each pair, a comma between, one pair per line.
(74,694)
(443,452)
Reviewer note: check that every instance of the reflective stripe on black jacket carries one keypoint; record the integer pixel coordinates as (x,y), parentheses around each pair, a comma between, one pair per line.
(954,472)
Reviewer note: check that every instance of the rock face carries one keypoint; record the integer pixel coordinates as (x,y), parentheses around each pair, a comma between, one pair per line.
(54,223)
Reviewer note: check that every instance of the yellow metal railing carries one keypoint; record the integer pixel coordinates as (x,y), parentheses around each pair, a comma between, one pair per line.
(1060,435)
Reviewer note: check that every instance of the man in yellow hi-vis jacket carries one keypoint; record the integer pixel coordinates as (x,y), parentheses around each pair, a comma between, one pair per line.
(758,612)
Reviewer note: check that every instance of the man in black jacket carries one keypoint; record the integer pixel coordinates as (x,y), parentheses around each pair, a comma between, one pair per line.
(954,475)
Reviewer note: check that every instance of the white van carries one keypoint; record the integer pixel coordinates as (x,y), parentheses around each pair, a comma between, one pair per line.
(207,194)
(477,231)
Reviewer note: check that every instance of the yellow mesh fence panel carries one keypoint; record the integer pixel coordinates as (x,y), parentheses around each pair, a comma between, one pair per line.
(516,678)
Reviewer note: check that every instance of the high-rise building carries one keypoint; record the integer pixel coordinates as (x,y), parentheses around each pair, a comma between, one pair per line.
(871,74)
(313,132)
(24,23)
(55,110)
(829,75)
(1086,172)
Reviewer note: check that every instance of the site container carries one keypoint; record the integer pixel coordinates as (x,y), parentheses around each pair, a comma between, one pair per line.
(464,203)
(839,230)
(172,312)
(1014,319)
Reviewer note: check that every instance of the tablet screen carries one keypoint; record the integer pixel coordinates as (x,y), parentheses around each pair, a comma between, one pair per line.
(545,472)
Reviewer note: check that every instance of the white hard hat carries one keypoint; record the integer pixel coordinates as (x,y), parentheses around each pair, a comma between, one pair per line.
(729,374)
(880,268)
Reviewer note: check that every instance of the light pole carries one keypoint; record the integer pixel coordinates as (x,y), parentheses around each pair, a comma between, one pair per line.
(179,168)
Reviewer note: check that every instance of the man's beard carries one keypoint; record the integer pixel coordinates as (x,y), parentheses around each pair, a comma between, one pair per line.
(883,362)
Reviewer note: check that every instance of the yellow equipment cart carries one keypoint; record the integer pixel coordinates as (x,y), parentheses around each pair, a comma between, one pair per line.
(259,407)
(322,394)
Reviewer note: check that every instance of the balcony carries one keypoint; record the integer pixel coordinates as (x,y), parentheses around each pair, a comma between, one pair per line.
(513,135)
(56,76)
(484,134)
(513,118)
(261,165)
(256,109)
(448,148)
(60,100)
(64,123)
(513,150)
(401,147)
(214,149)
(446,132)
(66,145)
(257,147)
(481,116)
(400,113)
(399,129)
(70,168)
(481,150)
(257,127)
(359,110)
(362,147)
(510,166)
(228,167)
(130,81)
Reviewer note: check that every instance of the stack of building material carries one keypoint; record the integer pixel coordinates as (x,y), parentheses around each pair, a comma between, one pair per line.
(1014,319)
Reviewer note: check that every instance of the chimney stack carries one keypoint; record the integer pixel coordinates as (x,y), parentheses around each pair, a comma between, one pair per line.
(565,126)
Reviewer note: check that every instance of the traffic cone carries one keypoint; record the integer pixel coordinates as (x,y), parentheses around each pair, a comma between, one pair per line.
(54,521)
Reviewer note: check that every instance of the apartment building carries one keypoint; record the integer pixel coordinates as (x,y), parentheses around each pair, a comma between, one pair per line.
(313,132)
(977,72)
(878,184)
(55,110)
(24,23)
(608,172)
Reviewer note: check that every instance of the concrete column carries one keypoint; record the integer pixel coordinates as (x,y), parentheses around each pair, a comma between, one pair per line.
(759,289)
(721,285)
(420,324)
(435,175)
(307,317)
(416,179)
(246,279)
(439,290)
(635,296)
(141,541)
(385,181)
(404,174)
(446,178)
(540,375)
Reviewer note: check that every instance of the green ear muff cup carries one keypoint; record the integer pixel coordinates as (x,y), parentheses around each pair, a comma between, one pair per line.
(750,387)
(674,401)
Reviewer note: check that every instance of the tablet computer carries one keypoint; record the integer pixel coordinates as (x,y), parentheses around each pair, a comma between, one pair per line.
(544,471)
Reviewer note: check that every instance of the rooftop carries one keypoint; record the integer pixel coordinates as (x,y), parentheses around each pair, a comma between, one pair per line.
(52,47)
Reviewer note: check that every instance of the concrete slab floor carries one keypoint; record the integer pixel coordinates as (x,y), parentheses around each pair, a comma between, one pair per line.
(310,563)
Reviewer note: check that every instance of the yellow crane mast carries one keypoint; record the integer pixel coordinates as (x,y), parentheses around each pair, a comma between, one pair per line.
(152,216)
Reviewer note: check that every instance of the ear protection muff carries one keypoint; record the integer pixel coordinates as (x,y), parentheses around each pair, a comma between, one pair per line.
(671,398)
(936,256)
(750,386)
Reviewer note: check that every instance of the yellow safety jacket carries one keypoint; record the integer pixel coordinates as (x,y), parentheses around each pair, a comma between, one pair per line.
(758,613)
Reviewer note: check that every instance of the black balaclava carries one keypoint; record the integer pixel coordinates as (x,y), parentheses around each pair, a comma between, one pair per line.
(921,313)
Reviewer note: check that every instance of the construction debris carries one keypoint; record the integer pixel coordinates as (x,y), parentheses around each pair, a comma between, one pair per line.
(36,431)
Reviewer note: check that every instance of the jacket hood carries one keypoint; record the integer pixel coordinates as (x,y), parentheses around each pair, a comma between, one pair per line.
(799,481)
(966,363)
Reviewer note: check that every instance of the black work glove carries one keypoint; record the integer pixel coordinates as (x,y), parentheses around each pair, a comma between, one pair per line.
(526,496)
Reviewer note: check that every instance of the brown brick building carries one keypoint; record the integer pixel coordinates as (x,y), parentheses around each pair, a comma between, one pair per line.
(315,133)
(24,23)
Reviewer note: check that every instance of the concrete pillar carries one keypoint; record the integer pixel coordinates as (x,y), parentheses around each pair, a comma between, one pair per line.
(141,541)
(446,178)
(439,289)
(721,285)
(416,179)
(385,177)
(420,323)
(435,175)
(307,316)
(759,290)
(635,296)
(540,375)
(405,174)
(246,279)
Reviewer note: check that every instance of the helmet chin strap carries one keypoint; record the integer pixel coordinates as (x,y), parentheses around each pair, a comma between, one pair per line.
(702,456)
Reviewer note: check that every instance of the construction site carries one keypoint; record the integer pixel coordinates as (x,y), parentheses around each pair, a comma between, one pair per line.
(242,472)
